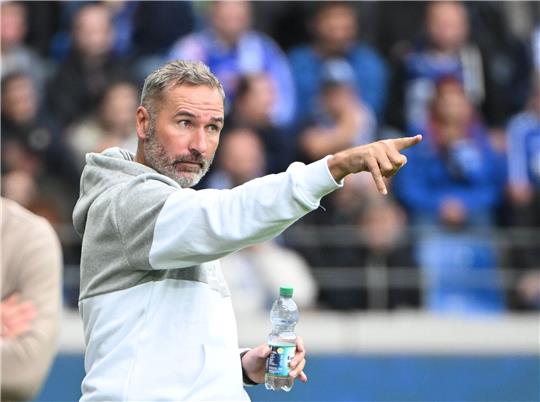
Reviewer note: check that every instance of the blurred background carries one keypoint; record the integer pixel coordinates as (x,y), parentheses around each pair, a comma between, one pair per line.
(430,293)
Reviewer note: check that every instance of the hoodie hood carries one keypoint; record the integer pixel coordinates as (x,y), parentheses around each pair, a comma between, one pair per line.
(102,172)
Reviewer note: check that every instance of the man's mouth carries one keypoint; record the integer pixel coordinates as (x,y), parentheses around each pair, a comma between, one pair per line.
(190,166)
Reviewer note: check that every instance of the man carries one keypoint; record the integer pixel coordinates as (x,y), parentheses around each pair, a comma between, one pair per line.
(335,31)
(157,315)
(89,68)
(447,52)
(30,309)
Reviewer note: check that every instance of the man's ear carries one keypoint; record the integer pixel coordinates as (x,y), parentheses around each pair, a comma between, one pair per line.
(143,122)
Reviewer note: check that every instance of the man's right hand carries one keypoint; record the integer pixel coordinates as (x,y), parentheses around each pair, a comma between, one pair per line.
(16,316)
(381,159)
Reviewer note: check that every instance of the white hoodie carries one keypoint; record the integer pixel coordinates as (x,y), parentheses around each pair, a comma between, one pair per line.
(157,314)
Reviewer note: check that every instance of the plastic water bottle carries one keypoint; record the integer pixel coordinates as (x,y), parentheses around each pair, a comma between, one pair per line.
(282,341)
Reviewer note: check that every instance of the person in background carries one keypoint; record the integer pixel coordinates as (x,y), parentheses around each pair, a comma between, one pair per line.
(16,56)
(535,42)
(156,26)
(231,49)
(523,137)
(90,67)
(340,119)
(252,108)
(335,30)
(112,126)
(386,256)
(458,178)
(254,273)
(451,192)
(37,167)
(240,159)
(31,295)
(502,31)
(446,52)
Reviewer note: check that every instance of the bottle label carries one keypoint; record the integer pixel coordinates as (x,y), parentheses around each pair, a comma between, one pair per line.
(277,363)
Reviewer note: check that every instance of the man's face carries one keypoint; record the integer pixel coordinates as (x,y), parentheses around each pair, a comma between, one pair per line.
(447,25)
(183,135)
(230,19)
(19,100)
(93,33)
(336,28)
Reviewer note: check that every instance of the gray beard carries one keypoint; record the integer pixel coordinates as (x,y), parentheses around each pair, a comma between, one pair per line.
(157,158)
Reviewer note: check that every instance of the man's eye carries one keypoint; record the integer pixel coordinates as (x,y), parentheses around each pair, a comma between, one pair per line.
(184,123)
(213,128)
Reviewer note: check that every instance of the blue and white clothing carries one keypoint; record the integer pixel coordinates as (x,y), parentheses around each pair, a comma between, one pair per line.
(424,68)
(523,136)
(253,53)
(370,70)
(469,171)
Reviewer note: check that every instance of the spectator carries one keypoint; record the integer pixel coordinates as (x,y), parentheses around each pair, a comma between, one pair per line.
(455,177)
(90,67)
(506,58)
(232,49)
(241,158)
(31,294)
(37,167)
(156,26)
(252,108)
(524,163)
(256,272)
(340,120)
(451,190)
(536,48)
(523,137)
(113,125)
(386,255)
(445,53)
(16,56)
(335,30)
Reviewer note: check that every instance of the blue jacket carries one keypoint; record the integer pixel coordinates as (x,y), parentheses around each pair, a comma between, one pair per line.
(471,172)
(254,53)
(370,69)
(523,138)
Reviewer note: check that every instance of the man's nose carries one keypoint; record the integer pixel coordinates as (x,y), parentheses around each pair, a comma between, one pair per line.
(199,141)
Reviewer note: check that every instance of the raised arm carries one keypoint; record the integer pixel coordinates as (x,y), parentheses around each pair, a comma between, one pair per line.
(188,227)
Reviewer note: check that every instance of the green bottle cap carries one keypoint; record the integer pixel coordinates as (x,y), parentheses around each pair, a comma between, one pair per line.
(285,291)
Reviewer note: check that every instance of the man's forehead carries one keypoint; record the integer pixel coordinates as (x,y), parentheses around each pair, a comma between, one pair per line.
(195,98)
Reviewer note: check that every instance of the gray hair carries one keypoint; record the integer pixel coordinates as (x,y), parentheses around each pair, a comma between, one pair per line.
(173,74)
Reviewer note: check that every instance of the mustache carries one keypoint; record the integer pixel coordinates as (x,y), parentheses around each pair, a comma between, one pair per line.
(191,159)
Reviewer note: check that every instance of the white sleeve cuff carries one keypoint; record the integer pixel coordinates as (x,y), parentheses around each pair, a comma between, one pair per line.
(314,181)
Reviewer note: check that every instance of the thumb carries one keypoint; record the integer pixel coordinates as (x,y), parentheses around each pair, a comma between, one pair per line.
(264,351)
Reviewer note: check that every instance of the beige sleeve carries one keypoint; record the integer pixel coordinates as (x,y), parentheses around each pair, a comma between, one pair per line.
(26,359)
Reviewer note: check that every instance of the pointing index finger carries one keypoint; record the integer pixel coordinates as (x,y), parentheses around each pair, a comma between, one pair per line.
(406,142)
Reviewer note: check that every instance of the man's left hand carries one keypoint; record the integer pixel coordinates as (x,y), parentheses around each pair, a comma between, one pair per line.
(254,362)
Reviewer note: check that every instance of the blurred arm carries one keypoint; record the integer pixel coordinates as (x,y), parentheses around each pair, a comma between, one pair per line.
(26,358)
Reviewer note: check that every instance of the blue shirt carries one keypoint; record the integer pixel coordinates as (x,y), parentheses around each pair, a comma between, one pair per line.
(469,172)
(371,77)
(523,138)
(253,53)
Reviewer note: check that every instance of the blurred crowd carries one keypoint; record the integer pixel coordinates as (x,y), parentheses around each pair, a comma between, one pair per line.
(304,80)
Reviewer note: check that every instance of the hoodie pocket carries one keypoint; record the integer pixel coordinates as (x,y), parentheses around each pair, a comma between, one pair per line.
(220,378)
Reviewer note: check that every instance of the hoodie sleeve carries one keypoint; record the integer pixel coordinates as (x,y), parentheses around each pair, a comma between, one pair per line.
(179,228)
